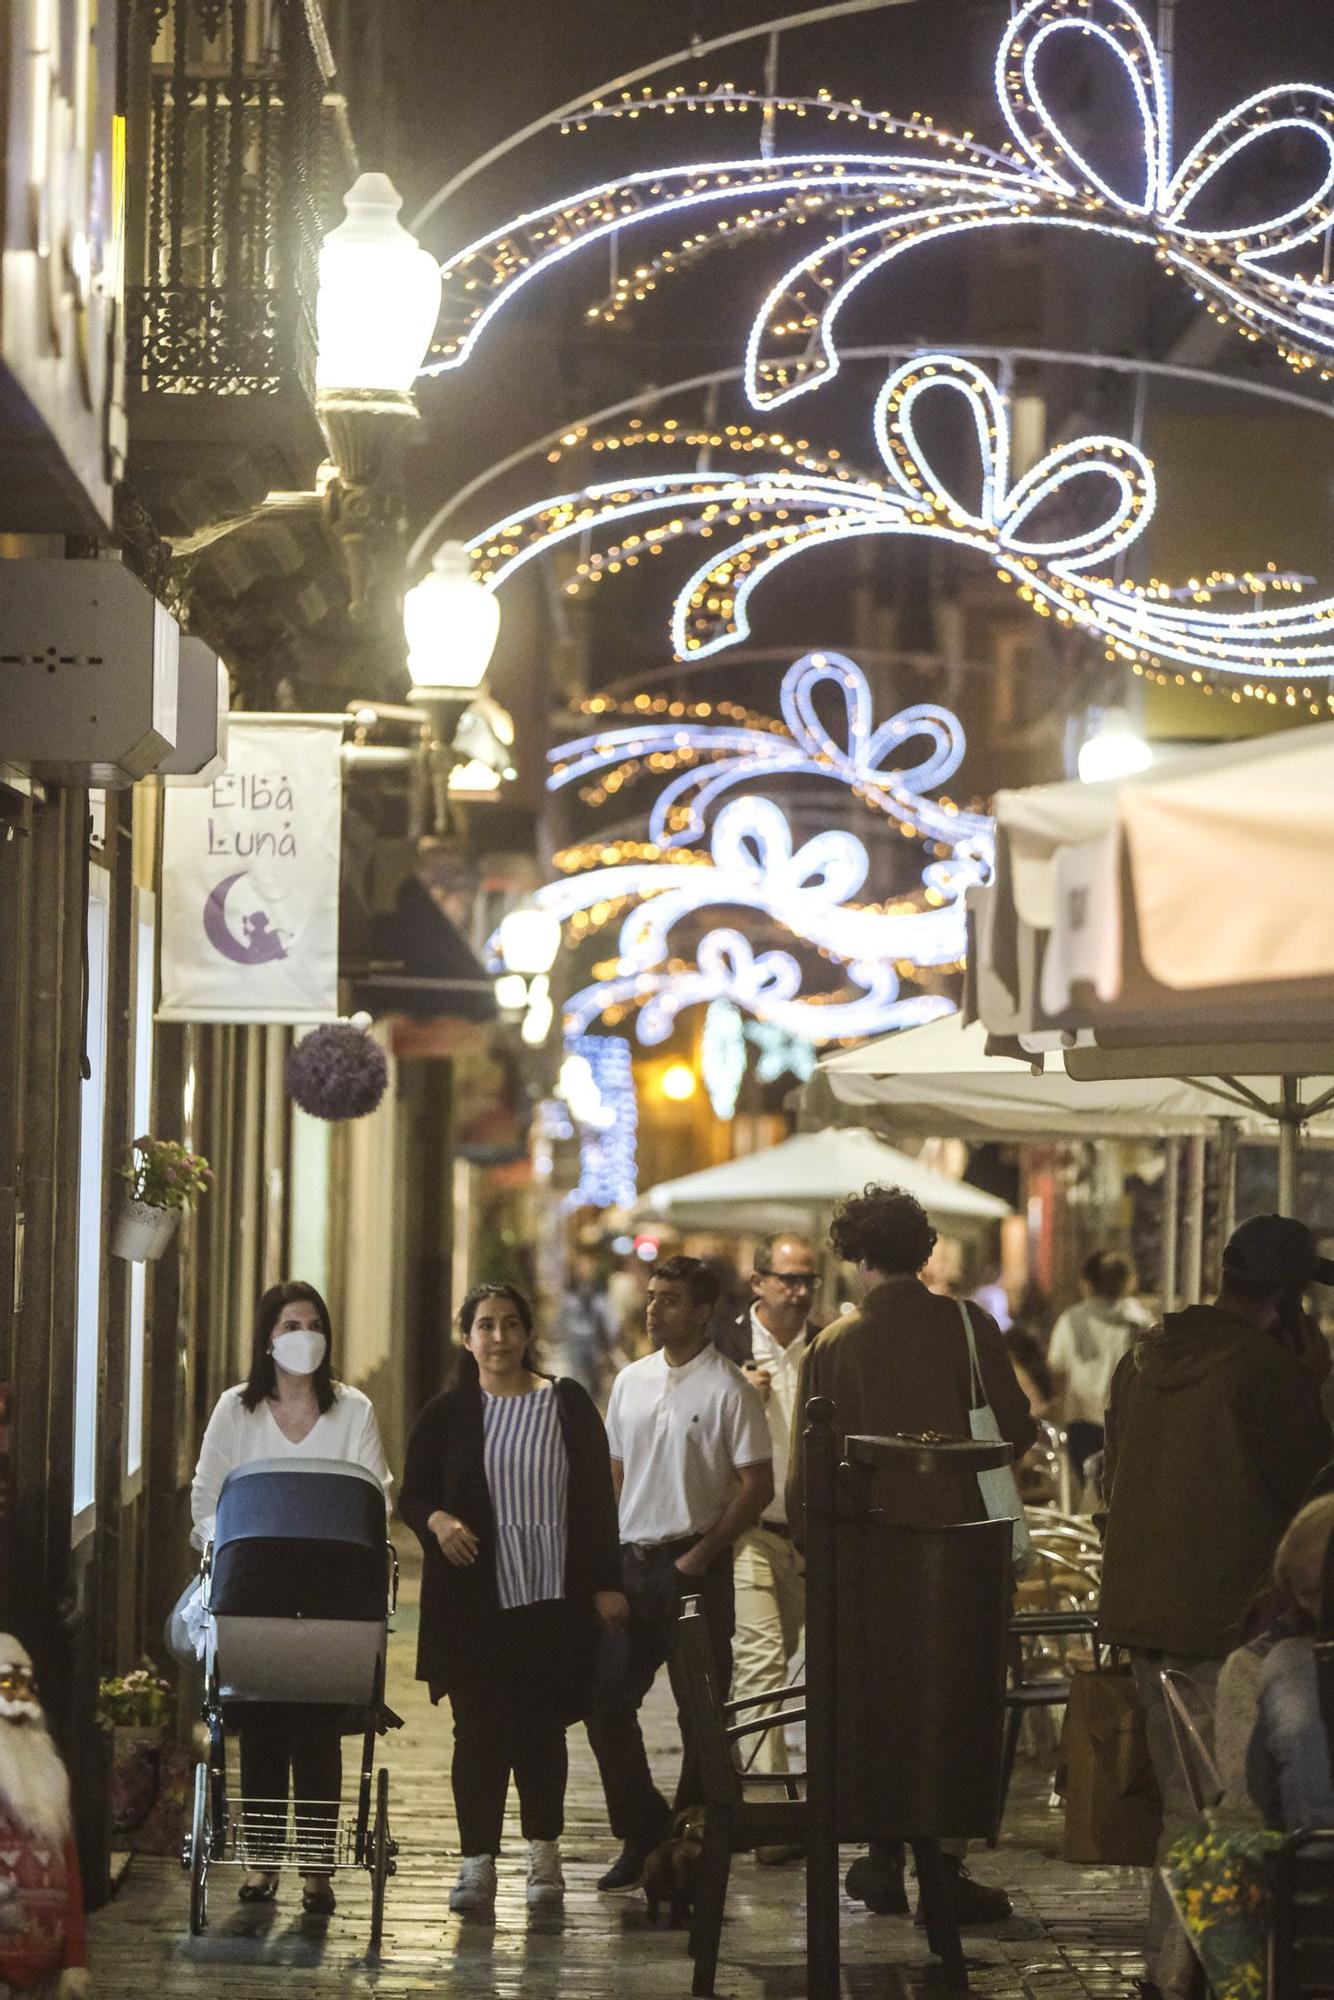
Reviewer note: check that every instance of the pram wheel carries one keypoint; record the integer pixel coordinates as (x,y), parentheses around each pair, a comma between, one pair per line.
(200,1843)
(383,1850)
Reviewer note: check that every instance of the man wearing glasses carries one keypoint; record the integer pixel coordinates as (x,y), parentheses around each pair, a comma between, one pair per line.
(767,1344)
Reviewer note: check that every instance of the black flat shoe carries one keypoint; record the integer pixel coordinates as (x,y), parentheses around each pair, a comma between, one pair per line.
(319,1902)
(258,1892)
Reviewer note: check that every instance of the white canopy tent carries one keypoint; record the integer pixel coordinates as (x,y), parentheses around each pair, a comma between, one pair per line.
(792,1185)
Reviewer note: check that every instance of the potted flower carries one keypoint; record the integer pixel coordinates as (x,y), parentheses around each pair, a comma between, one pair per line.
(135,1710)
(163,1178)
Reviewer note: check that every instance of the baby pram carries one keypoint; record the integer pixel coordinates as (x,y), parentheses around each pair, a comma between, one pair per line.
(299,1582)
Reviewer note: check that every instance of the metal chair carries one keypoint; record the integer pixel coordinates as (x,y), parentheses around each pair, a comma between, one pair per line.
(732,1822)
(1193,1754)
(1026,1690)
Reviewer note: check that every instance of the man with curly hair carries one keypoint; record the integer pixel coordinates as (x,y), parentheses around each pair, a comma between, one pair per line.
(899,1362)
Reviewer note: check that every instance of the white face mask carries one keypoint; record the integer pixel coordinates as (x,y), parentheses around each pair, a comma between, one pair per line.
(299,1351)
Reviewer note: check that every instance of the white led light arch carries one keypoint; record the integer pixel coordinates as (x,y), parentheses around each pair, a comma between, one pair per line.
(1278,641)
(752,863)
(943,184)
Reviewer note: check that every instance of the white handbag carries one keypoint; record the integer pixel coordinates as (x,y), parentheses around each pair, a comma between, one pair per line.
(1000,1492)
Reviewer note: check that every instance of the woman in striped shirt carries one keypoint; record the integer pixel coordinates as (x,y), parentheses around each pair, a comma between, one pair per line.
(508,1488)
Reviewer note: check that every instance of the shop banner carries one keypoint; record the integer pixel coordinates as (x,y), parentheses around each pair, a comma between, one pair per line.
(250,878)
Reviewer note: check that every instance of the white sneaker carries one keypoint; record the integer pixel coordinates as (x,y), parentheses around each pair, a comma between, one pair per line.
(475,1889)
(546,1883)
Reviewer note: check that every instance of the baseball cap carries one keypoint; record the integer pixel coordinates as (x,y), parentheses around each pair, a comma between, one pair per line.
(1276,1250)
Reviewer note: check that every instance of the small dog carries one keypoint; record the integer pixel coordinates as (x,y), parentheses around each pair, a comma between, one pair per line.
(671,1871)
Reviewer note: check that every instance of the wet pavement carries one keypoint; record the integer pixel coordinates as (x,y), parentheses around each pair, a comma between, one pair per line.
(1074,1931)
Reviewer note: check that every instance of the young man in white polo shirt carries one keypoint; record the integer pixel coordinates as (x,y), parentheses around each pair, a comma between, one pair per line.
(691,1462)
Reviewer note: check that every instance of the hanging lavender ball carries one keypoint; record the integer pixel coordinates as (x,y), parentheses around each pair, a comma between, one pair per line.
(337,1071)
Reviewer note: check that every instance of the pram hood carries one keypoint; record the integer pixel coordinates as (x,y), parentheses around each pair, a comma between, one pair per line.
(300,1538)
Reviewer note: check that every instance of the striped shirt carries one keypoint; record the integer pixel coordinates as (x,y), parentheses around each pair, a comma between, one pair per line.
(528,1474)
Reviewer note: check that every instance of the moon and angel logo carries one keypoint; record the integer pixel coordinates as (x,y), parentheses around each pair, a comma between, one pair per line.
(246,936)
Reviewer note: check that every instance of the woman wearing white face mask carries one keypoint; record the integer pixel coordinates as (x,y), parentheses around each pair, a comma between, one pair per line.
(289,1407)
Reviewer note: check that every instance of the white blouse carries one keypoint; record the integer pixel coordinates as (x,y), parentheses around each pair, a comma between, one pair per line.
(237,1436)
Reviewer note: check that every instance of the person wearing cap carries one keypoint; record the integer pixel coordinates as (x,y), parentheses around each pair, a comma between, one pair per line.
(1214,1434)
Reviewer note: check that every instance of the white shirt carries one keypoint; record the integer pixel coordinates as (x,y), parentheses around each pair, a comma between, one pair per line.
(680,1435)
(237,1436)
(1086,1344)
(783,1367)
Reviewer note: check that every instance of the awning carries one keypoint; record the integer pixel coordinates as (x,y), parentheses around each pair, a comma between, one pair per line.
(1189,896)
(939,1080)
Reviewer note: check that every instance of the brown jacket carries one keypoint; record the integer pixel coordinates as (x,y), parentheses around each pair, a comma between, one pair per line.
(900,1363)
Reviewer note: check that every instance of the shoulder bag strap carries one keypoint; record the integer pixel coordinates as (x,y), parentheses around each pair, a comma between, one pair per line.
(976,1393)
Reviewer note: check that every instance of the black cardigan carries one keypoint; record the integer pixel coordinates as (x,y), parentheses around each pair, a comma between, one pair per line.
(445,1470)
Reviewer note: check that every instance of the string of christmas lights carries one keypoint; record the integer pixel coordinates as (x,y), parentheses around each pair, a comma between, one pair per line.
(1146,625)
(811,891)
(941,184)
(803,745)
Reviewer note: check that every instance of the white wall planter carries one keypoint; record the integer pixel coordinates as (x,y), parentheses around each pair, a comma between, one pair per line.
(142,1233)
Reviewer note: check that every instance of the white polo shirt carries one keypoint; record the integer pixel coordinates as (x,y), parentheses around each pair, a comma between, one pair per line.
(783,1367)
(680,1434)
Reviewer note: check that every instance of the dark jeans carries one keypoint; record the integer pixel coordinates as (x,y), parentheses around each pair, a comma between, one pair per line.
(655,1588)
(1081,1441)
(510,1708)
(297,1745)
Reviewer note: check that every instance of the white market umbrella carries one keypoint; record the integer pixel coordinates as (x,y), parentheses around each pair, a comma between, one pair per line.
(1196,891)
(938,1080)
(1176,923)
(792,1184)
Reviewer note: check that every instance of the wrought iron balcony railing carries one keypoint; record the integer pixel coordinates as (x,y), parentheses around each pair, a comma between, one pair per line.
(235,183)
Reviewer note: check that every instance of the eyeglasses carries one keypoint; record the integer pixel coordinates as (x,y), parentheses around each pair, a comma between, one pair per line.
(791,1281)
(17,1681)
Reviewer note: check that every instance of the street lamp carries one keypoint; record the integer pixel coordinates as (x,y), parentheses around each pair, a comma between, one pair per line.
(1114,750)
(379,298)
(529,939)
(375,313)
(452,623)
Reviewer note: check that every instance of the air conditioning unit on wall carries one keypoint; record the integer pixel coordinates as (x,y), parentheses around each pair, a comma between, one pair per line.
(88,672)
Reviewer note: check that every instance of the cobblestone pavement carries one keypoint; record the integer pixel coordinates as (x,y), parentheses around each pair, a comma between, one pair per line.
(1074,1931)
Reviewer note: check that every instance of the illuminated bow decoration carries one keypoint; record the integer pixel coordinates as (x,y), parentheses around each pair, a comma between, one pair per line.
(858,754)
(727,968)
(942,184)
(711,608)
(753,866)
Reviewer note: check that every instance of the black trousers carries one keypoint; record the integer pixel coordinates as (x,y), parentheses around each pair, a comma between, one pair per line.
(300,1746)
(509,1714)
(655,1588)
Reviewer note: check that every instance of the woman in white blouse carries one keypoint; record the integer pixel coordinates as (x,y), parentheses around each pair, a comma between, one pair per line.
(290,1406)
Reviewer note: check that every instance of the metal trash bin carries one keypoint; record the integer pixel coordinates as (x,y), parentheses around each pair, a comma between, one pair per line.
(922,1616)
(905,1668)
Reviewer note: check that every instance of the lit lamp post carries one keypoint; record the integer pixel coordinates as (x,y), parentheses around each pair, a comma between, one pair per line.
(379,297)
(451,623)
(528,940)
